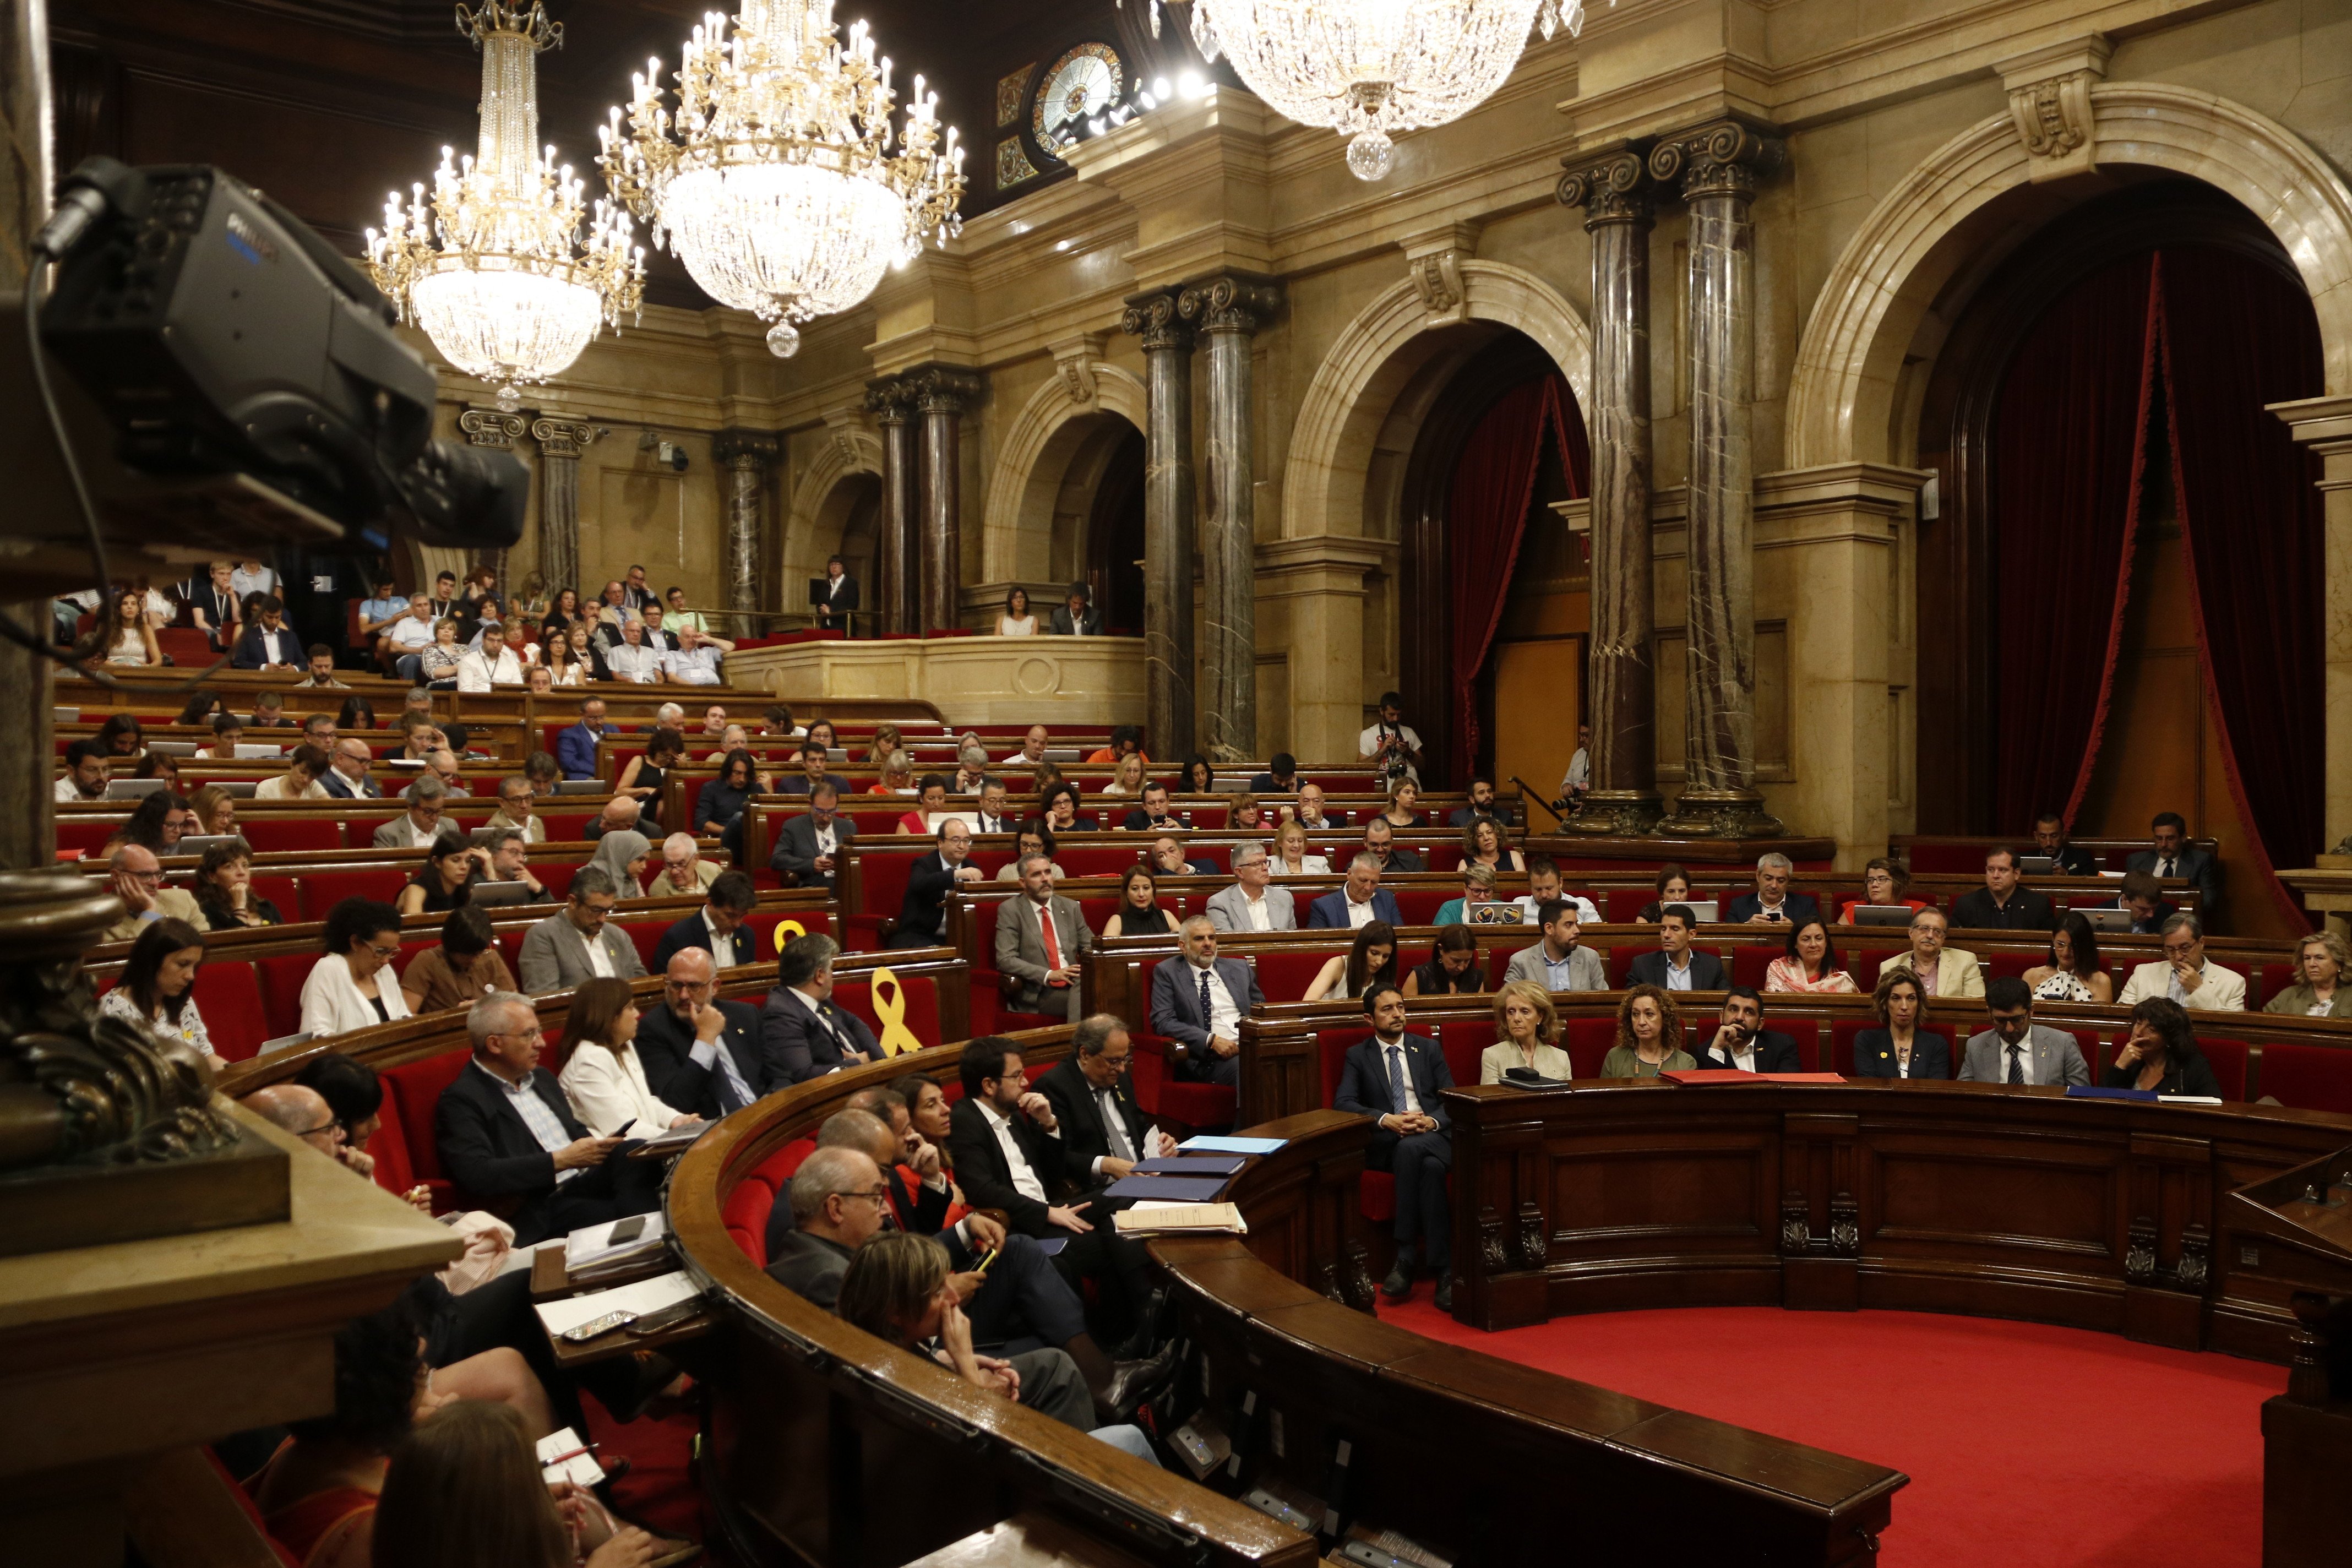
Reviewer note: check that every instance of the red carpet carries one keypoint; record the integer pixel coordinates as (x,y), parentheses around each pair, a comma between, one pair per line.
(659,1490)
(2025,1445)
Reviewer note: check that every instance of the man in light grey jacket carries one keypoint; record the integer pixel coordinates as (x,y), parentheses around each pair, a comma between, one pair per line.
(2018,1050)
(420,825)
(575,944)
(1048,975)
(1251,903)
(1558,962)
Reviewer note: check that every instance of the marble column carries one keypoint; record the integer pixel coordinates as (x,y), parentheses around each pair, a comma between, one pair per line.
(893,608)
(1168,540)
(1717,167)
(2325,425)
(1228,309)
(561,443)
(942,393)
(497,430)
(1616,193)
(747,454)
(26,813)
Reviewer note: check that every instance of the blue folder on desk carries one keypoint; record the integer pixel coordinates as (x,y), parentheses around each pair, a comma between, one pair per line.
(1230,1146)
(2093,1091)
(1199,1166)
(1169,1189)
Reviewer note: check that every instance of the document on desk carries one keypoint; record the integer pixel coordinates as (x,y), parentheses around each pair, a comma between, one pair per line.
(1152,1217)
(562,1457)
(1206,1145)
(591,1250)
(645,1297)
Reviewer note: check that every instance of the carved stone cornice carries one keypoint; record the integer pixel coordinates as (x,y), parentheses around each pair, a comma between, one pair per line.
(491,427)
(746,448)
(2050,100)
(942,388)
(1074,362)
(1723,159)
(1612,189)
(566,438)
(890,400)
(1231,302)
(1154,318)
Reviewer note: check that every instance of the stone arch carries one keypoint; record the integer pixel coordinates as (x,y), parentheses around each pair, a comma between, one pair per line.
(1379,357)
(827,497)
(1028,531)
(1844,392)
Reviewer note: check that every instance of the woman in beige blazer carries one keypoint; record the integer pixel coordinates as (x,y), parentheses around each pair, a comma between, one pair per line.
(2326,989)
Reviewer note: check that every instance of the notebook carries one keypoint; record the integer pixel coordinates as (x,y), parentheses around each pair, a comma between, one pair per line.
(1199,1165)
(1206,1145)
(1169,1189)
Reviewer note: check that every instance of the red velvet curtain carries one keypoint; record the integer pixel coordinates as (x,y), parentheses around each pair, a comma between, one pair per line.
(1486,516)
(2236,335)
(2068,449)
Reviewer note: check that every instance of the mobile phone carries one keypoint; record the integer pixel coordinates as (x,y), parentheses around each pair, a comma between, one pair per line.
(582,1334)
(627,1230)
(982,1267)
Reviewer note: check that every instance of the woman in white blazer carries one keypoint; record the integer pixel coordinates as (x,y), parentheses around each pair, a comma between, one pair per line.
(603,1080)
(353,986)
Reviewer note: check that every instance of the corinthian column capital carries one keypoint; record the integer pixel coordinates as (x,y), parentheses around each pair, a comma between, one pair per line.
(1723,159)
(1154,318)
(746,448)
(1613,188)
(1231,302)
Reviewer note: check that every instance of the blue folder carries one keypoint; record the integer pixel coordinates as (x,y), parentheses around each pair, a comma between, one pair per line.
(2093,1091)
(1231,1145)
(1169,1189)
(1201,1165)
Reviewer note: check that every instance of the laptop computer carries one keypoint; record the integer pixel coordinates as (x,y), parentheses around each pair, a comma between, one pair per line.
(493,893)
(174,748)
(134,789)
(240,789)
(582,786)
(197,843)
(2107,919)
(285,1043)
(1882,914)
(2037,865)
(1702,911)
(246,752)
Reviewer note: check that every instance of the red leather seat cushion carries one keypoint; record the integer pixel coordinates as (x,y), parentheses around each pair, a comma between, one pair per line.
(2307,1078)
(229,997)
(281,979)
(320,892)
(1587,1041)
(270,835)
(416,1088)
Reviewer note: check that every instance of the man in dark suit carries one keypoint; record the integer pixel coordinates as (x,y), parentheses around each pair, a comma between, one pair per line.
(1168,859)
(348,779)
(1198,1005)
(1154,815)
(1482,804)
(699,1052)
(1281,776)
(834,611)
(1077,617)
(1771,903)
(575,748)
(1103,1127)
(2002,904)
(808,852)
(507,1138)
(802,1033)
(2050,838)
(718,927)
(834,1202)
(1003,1142)
(1379,842)
(1677,966)
(2143,897)
(1742,1044)
(1358,901)
(923,918)
(268,643)
(1396,1078)
(2170,854)
(813,773)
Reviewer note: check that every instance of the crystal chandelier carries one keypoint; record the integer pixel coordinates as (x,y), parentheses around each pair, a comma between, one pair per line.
(488,267)
(1370,67)
(775,180)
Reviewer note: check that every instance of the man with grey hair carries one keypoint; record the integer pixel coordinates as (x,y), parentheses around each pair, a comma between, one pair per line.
(1771,903)
(2184,975)
(685,874)
(1198,1005)
(1253,902)
(348,778)
(420,825)
(516,794)
(1041,942)
(506,858)
(837,1201)
(445,766)
(504,1131)
(576,944)
(802,1033)
(972,766)
(1359,901)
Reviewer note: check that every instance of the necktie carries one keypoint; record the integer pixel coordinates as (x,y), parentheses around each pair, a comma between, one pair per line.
(1053,943)
(2165,869)
(1396,1078)
(1115,1124)
(737,1091)
(2017,1064)
(1205,1015)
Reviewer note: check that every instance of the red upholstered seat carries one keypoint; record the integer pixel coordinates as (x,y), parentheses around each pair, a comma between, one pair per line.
(1587,1042)
(279,889)
(556,877)
(1464,1042)
(645,936)
(566,826)
(184,646)
(281,979)
(1096,912)
(1419,906)
(2307,1078)
(813,922)
(389,1148)
(921,995)
(1624,905)
(2275,978)
(883,876)
(2228,1058)
(1099,860)
(1285,977)
(1621,963)
(510,947)
(228,995)
(86,834)
(319,892)
(1866,962)
(2011,965)
(273,835)
(1842,1038)
(415,1089)
(1750,960)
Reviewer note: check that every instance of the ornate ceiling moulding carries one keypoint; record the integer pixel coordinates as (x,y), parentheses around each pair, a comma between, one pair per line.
(2049,100)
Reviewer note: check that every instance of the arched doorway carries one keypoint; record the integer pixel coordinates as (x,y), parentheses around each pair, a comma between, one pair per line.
(1115,538)
(849,524)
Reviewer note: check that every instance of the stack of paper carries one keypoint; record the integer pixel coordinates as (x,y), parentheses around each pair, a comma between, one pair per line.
(1154,1218)
(642,1299)
(590,1254)
(562,1457)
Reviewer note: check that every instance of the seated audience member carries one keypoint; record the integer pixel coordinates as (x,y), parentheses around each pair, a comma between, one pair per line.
(86,774)
(1154,815)
(505,1133)
(630,659)
(2142,897)
(839,1199)
(1138,912)
(121,735)
(1482,805)
(1127,777)
(1003,1147)
(718,805)
(351,986)
(1370,961)
(491,662)
(158,822)
(1197,1006)
(2016,1049)
(1453,969)
(1041,942)
(2002,904)
(505,856)
(619,814)
(2170,855)
(1899,1048)
(887,740)
(1244,814)
(576,944)
(696,660)
(159,765)
(1397,1078)
(1281,776)
(212,811)
(1077,617)
(972,767)
(1399,814)
(813,773)
(1477,893)
(1771,901)
(602,1077)
(1673,886)
(319,671)
(158,984)
(642,779)
(575,748)
(2050,839)
(720,927)
(2161,1054)
(1528,1026)
(991,814)
(1308,812)
(2076,973)
(346,777)
(223,890)
(269,714)
(300,779)
(2185,974)
(318,1494)
(1032,752)
(2324,967)
(516,796)
(1884,884)
(1943,971)
(1742,1044)
(1649,1036)
(1033,836)
(701,1053)
(1483,845)
(319,729)
(809,847)
(1356,902)
(421,824)
(136,877)
(465,1486)
(1105,1134)
(1558,962)
(446,880)
(1544,885)
(465,967)
(543,772)
(228,734)
(435,665)
(1380,843)
(923,917)
(1126,741)
(1290,856)
(802,1035)
(684,873)
(1576,781)
(1168,859)
(1194,775)
(268,643)
(623,854)
(1677,965)
(1058,804)
(1809,962)
(897,776)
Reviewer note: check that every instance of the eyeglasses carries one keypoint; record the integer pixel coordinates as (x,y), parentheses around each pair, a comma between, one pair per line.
(382,951)
(314,1133)
(878,1195)
(2180,949)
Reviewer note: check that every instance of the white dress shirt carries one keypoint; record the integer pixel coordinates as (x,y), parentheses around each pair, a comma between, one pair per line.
(1357,914)
(68,790)
(277,647)
(1260,917)
(1585,913)
(1392,1051)
(404,826)
(2024,1059)
(608,1092)
(535,1115)
(410,634)
(1024,1179)
(599,960)
(1224,1016)
(637,663)
(735,947)
(478,672)
(698,666)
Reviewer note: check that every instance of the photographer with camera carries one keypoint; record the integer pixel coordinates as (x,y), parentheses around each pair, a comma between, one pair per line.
(1391,747)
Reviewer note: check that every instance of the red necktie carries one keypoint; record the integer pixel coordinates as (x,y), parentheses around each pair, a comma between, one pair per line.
(1053,944)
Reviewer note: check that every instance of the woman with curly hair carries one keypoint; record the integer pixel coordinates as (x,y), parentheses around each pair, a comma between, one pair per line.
(1649,1037)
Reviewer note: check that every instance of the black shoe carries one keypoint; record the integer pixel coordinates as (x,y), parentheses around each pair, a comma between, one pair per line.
(1445,1293)
(1398,1284)
(1133,1382)
(1145,1339)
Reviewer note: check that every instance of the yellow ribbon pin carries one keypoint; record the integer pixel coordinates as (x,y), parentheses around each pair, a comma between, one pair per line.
(890,1007)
